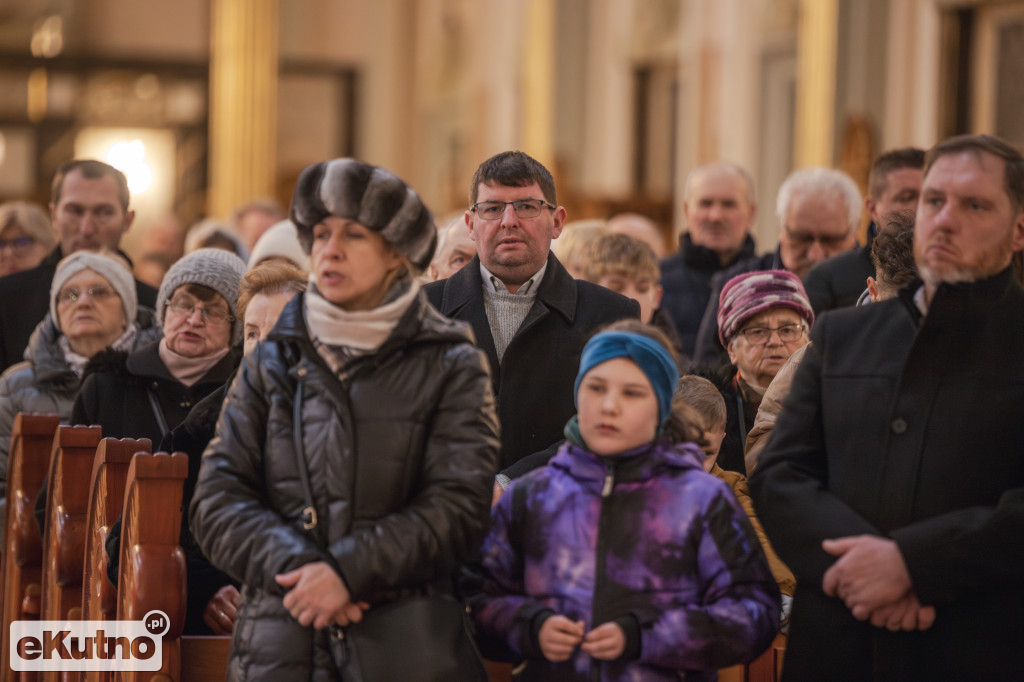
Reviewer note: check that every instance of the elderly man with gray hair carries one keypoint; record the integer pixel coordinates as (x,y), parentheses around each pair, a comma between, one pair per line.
(818,211)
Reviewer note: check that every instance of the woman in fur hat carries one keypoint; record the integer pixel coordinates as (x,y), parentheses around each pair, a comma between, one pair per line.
(93,305)
(146,393)
(352,468)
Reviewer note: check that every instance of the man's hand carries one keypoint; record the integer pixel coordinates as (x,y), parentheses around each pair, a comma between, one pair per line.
(496,494)
(318,597)
(558,637)
(222,610)
(605,642)
(868,575)
(905,614)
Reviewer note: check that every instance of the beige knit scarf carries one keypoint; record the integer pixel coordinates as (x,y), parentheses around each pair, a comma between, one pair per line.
(188,371)
(362,331)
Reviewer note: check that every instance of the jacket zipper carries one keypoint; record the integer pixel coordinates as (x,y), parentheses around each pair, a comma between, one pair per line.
(606,491)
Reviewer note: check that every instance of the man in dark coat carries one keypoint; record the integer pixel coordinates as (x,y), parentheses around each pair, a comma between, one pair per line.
(718,203)
(528,315)
(893,484)
(893,185)
(89,210)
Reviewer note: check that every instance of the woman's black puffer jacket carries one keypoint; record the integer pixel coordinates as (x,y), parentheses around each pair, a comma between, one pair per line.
(401,456)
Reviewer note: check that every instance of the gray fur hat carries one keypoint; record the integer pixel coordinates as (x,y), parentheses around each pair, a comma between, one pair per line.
(369,195)
(109,267)
(215,269)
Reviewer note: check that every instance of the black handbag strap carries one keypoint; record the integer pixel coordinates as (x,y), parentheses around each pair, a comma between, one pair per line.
(742,420)
(154,404)
(309,520)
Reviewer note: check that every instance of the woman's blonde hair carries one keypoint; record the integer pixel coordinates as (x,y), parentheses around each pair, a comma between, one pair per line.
(31,219)
(270,277)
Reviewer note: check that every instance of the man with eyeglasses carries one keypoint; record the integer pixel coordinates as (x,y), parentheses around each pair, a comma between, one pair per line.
(818,211)
(528,315)
(893,185)
(893,483)
(89,210)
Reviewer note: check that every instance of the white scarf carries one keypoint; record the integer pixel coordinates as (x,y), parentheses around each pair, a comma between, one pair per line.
(362,330)
(78,362)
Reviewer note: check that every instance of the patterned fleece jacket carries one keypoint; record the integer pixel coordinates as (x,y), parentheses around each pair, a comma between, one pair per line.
(645,539)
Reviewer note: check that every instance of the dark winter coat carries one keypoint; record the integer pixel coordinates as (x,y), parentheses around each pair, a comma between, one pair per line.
(117,389)
(534,380)
(908,428)
(686,281)
(25,300)
(204,580)
(44,383)
(401,457)
(838,282)
(646,539)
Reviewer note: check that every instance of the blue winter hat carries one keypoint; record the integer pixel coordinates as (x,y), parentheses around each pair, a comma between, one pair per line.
(651,357)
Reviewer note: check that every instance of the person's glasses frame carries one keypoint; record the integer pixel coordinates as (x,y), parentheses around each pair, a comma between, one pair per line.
(788,333)
(18,244)
(186,306)
(524,208)
(805,240)
(73,294)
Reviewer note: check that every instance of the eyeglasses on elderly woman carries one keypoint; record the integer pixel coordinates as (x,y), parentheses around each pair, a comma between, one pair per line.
(74,294)
(788,333)
(184,305)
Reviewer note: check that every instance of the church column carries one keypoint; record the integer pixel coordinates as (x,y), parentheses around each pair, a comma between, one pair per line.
(817,42)
(243,102)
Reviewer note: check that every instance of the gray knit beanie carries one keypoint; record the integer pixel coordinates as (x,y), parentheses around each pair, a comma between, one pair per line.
(369,195)
(109,267)
(216,269)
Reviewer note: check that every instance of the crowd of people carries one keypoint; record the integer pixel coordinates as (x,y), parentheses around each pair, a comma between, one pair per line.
(513,436)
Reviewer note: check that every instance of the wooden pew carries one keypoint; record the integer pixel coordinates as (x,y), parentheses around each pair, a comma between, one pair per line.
(765,668)
(107,484)
(67,497)
(27,465)
(768,666)
(153,572)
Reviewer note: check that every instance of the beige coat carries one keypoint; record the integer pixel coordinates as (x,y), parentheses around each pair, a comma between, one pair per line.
(770,407)
(738,483)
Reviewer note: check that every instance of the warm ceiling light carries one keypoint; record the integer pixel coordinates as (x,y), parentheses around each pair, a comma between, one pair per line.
(130,159)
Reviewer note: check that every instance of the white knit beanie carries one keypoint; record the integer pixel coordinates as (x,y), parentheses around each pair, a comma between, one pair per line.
(215,269)
(109,268)
(280,241)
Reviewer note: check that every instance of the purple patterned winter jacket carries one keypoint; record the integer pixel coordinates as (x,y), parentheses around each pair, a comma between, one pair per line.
(645,537)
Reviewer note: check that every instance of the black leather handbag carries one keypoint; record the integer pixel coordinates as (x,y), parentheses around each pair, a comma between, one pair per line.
(419,639)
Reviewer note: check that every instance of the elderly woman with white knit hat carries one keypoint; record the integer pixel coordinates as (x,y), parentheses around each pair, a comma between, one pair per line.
(354,458)
(93,306)
(146,393)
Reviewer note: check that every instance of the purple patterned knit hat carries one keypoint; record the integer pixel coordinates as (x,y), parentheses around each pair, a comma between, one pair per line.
(751,293)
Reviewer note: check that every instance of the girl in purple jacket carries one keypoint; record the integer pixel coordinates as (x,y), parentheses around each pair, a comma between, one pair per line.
(622,559)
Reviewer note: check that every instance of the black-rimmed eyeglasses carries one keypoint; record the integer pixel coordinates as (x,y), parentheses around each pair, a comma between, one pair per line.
(524,208)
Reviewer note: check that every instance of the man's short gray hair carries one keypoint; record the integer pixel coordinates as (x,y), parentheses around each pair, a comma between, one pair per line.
(821,181)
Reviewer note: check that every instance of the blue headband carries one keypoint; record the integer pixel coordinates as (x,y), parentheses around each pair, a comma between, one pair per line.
(649,355)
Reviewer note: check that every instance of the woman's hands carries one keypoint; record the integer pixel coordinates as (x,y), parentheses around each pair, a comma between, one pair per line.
(318,597)
(222,610)
(559,636)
